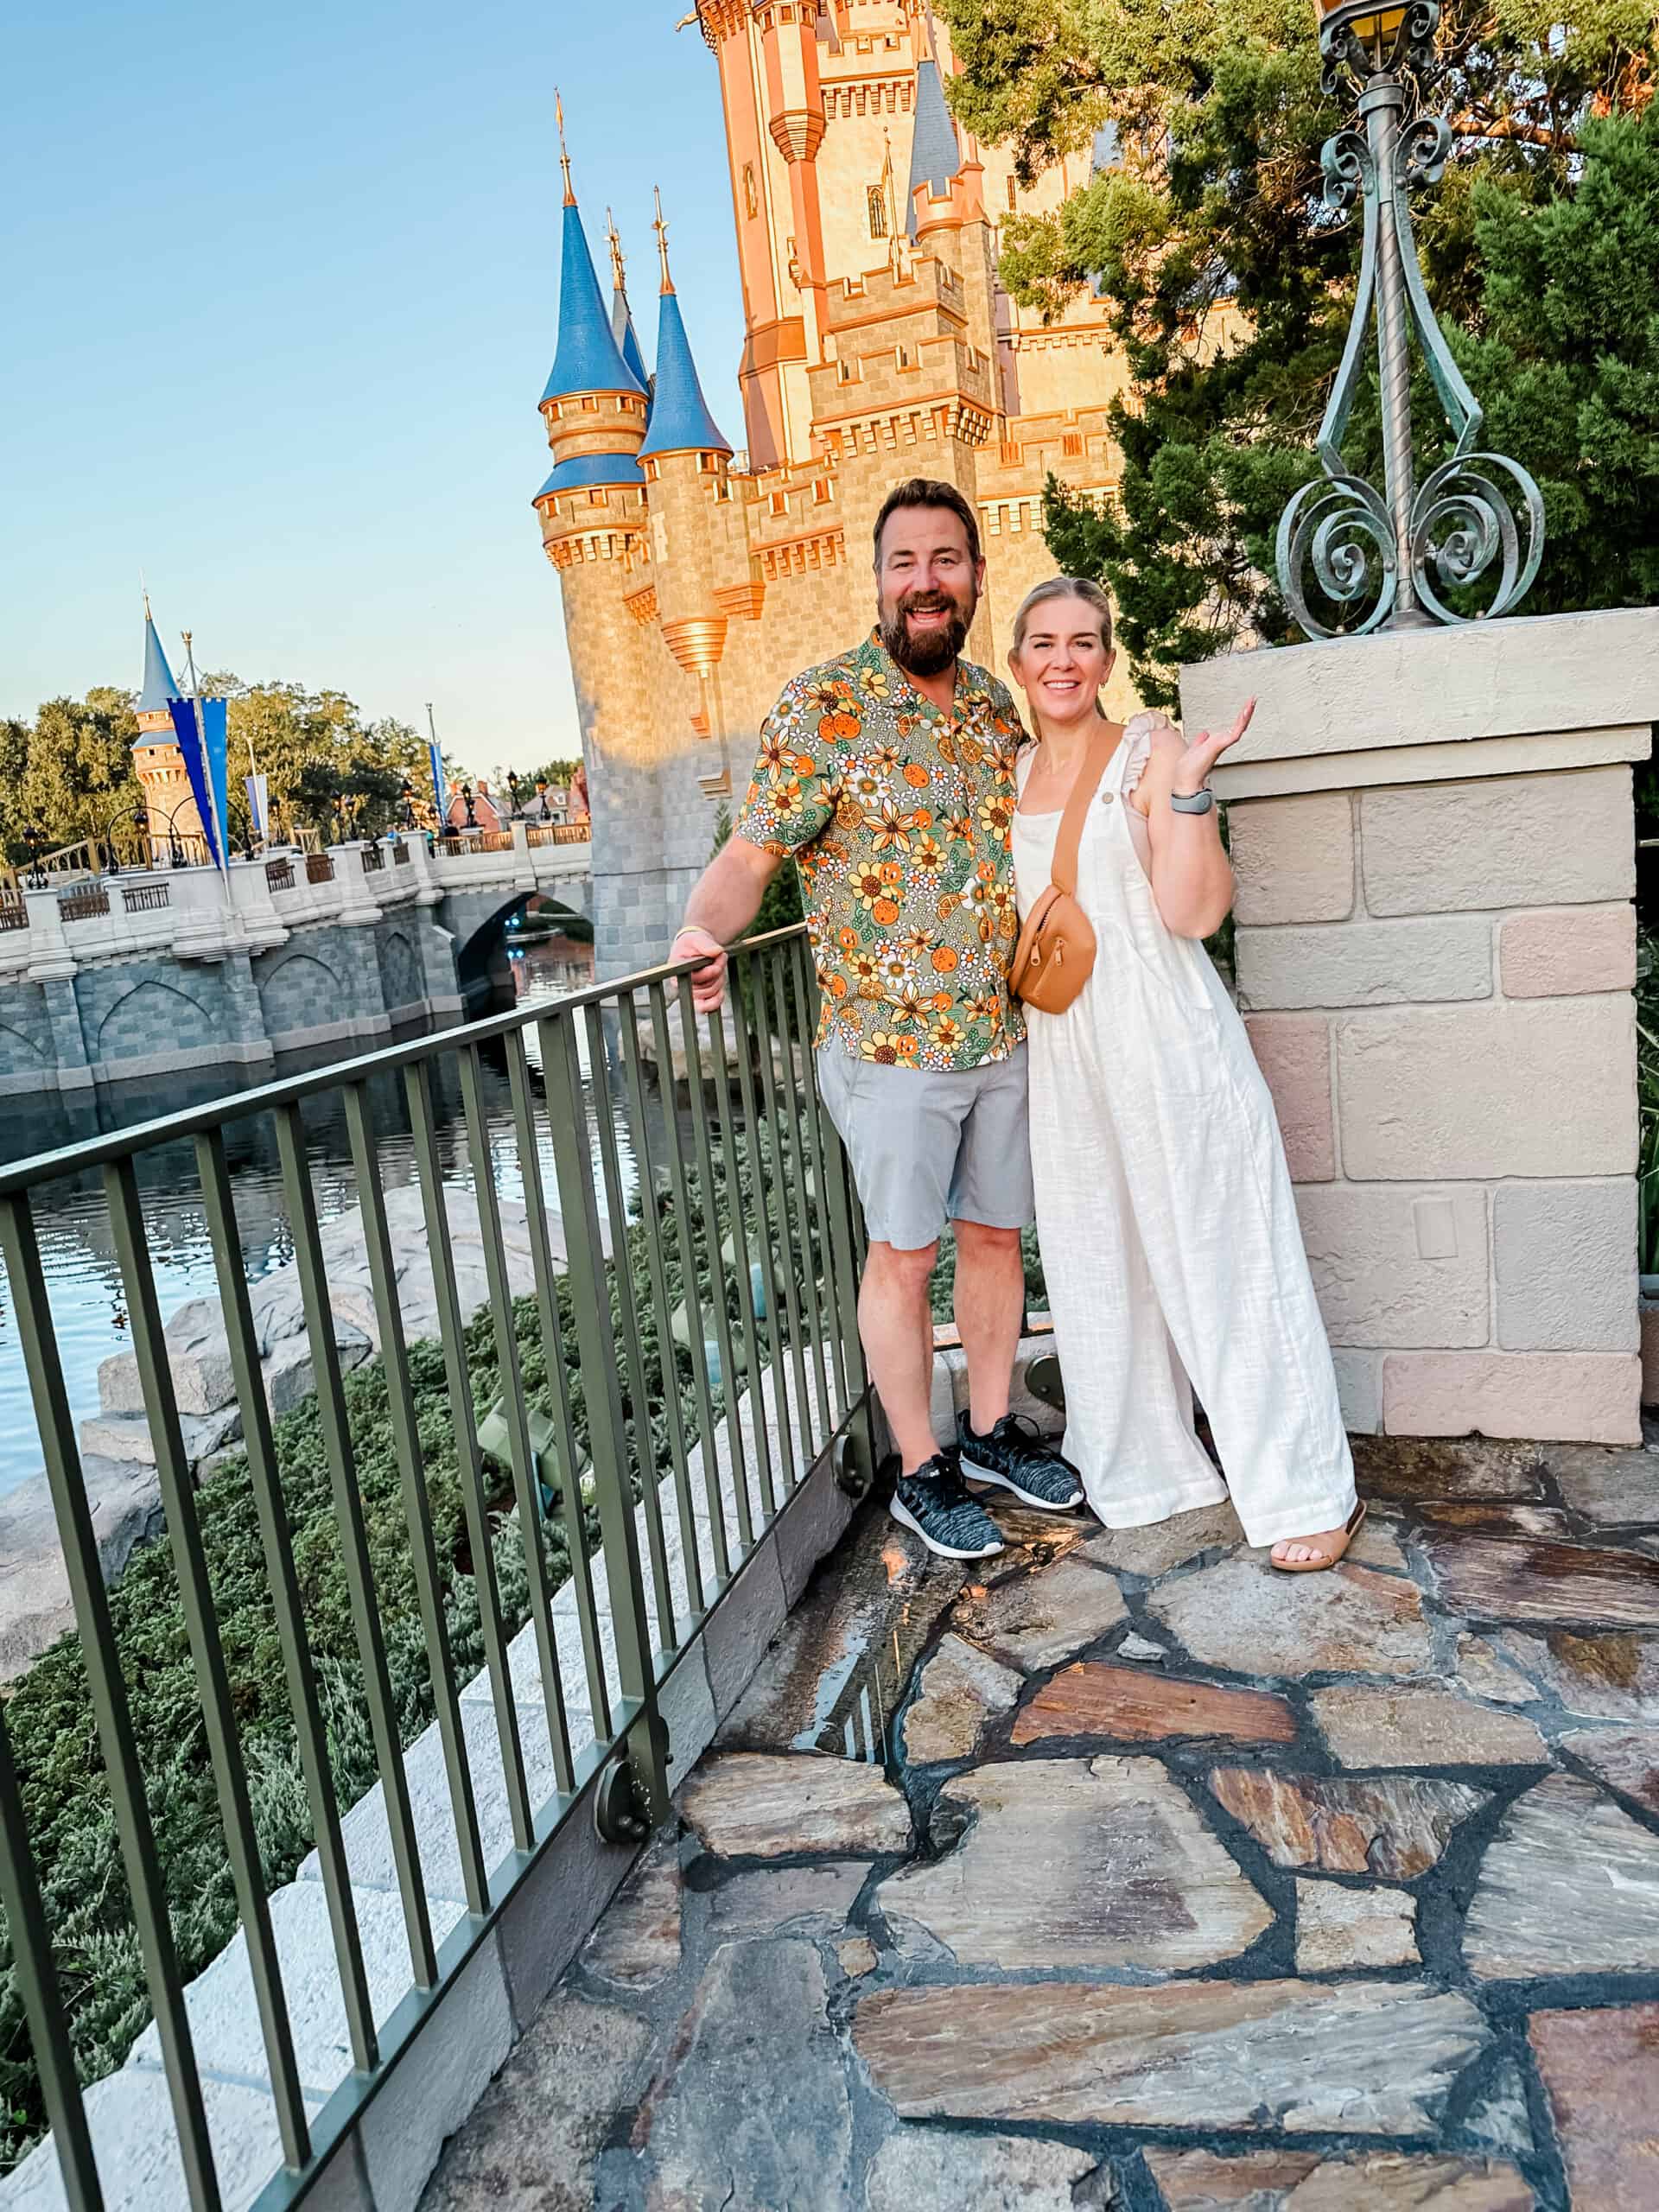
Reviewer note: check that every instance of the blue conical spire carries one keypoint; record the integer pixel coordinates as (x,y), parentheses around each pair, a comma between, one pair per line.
(622,329)
(934,155)
(588,357)
(680,421)
(159,686)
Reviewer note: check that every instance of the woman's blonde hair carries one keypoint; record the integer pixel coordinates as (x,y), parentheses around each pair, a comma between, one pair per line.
(1081,588)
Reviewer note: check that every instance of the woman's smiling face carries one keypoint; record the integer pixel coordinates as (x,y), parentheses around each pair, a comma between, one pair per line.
(1063,660)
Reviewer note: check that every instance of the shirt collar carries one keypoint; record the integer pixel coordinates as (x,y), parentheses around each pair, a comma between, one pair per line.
(903,692)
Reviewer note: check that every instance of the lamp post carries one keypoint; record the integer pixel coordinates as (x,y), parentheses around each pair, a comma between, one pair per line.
(139,817)
(406,803)
(35,842)
(513,792)
(1409,543)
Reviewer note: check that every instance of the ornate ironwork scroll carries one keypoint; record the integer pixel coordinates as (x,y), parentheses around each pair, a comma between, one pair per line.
(1478,519)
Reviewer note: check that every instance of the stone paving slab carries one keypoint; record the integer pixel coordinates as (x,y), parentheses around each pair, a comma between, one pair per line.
(1134,1874)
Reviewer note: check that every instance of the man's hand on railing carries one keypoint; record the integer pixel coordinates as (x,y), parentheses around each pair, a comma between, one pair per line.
(708,982)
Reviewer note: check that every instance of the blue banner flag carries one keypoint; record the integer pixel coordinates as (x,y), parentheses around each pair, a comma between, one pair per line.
(215,713)
(437,779)
(188,730)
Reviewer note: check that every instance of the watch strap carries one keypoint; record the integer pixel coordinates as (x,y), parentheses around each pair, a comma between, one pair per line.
(1193,801)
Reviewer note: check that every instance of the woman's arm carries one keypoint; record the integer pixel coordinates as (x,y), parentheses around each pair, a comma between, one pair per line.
(1192,879)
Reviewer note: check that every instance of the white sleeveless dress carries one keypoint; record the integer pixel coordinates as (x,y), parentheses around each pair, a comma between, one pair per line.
(1171,1246)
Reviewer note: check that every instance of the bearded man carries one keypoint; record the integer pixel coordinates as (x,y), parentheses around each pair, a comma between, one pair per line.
(887,774)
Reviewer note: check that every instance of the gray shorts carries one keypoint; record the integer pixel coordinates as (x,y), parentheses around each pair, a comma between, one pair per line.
(928,1147)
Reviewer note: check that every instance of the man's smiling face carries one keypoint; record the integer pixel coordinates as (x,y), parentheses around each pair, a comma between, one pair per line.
(927,589)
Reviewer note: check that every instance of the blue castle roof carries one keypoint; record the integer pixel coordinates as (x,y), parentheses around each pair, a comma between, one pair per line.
(588,358)
(627,339)
(935,156)
(159,686)
(589,470)
(680,421)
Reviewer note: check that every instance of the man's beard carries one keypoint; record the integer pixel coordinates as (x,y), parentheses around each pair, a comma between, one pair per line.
(932,651)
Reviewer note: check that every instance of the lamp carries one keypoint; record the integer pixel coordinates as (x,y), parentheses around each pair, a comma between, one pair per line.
(1401,548)
(1373,26)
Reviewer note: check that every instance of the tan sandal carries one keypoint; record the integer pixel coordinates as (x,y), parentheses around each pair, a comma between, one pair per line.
(1323,1564)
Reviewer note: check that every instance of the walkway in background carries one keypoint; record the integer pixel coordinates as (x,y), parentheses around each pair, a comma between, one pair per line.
(1184,1884)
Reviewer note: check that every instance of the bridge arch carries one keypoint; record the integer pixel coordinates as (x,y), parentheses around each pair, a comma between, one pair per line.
(176,1021)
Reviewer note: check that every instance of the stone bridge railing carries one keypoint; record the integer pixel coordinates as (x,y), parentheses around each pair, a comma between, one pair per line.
(149,971)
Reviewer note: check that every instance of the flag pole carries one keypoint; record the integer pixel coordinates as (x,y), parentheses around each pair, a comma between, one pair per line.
(207,766)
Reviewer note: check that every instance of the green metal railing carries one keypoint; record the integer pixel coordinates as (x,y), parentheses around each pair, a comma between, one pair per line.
(746,1205)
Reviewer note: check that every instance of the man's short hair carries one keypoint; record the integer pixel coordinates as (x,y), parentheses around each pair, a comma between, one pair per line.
(929,492)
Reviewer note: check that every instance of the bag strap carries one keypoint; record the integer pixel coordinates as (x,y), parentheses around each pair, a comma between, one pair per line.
(1063,869)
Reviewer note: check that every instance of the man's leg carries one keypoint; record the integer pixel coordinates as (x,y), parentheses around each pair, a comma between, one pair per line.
(991,1194)
(991,1300)
(894,1322)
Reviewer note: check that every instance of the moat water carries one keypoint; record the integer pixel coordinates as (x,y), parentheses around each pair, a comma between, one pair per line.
(88,1302)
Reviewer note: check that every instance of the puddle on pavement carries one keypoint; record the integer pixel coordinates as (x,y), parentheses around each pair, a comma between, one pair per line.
(842,1665)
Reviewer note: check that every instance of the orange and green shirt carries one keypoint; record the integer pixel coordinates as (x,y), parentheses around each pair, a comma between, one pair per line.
(901,819)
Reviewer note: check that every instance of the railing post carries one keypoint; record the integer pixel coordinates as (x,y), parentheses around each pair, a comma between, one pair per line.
(647,1737)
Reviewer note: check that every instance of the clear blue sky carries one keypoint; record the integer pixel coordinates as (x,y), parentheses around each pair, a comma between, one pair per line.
(280,291)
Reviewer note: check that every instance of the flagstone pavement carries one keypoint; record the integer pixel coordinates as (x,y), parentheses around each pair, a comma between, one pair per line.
(1121,1871)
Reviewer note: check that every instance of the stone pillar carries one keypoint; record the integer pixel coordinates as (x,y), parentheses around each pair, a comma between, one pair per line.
(1432,832)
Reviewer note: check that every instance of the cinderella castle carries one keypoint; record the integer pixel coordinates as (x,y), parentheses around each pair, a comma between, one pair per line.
(878,345)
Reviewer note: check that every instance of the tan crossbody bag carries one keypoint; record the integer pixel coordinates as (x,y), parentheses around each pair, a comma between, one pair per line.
(1056,951)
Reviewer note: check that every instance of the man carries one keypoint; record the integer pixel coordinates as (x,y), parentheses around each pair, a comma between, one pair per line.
(888,774)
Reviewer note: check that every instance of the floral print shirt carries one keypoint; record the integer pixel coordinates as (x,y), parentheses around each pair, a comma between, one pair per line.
(900,818)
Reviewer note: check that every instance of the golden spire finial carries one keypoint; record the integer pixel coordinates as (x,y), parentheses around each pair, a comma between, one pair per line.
(619,266)
(661,228)
(564,151)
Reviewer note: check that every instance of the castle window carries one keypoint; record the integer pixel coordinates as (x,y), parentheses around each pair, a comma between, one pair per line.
(590,404)
(780,504)
(1012,454)
(1013,200)
(907,359)
(708,463)
(751,197)
(1072,445)
(821,491)
(877,200)
(844,373)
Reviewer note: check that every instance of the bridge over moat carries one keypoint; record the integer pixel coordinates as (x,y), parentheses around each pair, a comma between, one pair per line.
(146,973)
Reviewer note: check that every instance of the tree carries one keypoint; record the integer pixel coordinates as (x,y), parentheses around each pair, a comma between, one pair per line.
(313,747)
(1230,286)
(70,771)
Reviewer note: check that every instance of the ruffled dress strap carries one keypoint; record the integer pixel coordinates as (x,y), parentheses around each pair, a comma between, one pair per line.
(1138,734)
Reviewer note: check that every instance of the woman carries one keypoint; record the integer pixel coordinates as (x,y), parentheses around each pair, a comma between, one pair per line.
(1171,1246)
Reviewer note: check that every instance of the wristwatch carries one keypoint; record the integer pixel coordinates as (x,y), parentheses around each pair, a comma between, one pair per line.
(1193,801)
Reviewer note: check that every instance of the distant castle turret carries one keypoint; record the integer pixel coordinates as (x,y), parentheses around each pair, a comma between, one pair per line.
(878,345)
(157,762)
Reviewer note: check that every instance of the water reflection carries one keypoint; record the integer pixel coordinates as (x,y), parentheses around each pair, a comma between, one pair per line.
(83,1283)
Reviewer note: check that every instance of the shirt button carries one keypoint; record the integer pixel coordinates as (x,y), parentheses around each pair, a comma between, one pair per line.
(1106,798)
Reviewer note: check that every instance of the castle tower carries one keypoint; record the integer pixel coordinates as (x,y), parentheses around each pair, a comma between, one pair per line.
(622,329)
(686,461)
(635,704)
(773,98)
(157,760)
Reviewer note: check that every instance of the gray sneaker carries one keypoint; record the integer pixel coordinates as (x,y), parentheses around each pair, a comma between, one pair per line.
(935,1503)
(1015,1456)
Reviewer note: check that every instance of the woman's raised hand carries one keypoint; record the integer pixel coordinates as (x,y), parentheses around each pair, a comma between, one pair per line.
(1192,769)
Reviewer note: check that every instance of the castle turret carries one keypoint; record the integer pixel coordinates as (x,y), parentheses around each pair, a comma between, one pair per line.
(934,155)
(685,460)
(594,406)
(775,123)
(622,329)
(157,760)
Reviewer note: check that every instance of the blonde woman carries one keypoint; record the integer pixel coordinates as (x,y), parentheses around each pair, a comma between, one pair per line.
(1171,1246)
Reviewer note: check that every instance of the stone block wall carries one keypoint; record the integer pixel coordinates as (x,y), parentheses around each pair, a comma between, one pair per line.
(1437,982)
(1433,835)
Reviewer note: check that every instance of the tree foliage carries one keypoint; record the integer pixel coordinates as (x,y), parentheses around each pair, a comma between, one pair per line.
(1230,286)
(69,771)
